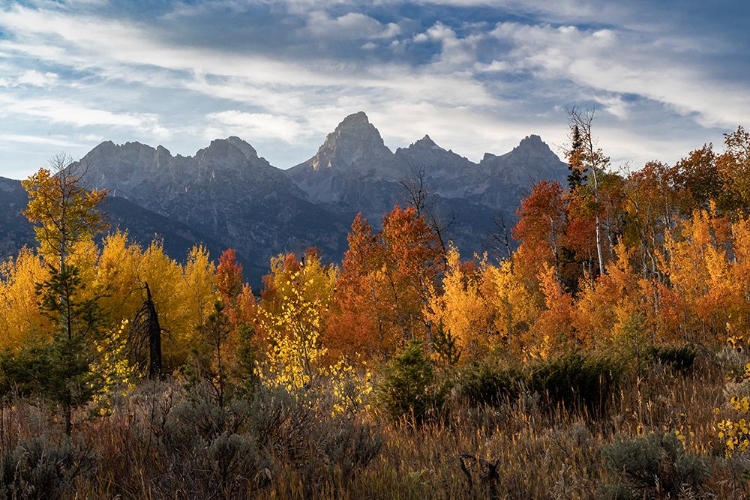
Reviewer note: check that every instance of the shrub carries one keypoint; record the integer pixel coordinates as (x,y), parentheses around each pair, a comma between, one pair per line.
(208,449)
(408,389)
(40,468)
(490,382)
(652,466)
(199,416)
(577,380)
(311,442)
(680,358)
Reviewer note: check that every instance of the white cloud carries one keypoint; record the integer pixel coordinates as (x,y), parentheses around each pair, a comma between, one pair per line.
(614,105)
(351,26)
(255,126)
(604,60)
(57,111)
(494,67)
(475,87)
(33,139)
(89,138)
(37,79)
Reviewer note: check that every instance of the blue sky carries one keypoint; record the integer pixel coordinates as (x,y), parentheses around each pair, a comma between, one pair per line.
(476,75)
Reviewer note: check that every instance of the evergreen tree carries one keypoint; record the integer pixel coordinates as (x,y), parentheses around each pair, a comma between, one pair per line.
(578,171)
(65,214)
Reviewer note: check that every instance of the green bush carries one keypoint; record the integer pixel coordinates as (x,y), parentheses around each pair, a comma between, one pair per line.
(208,448)
(38,468)
(579,381)
(237,449)
(490,382)
(680,358)
(652,466)
(307,438)
(408,389)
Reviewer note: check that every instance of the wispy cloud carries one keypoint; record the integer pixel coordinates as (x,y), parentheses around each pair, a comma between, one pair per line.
(256,125)
(32,139)
(68,113)
(477,75)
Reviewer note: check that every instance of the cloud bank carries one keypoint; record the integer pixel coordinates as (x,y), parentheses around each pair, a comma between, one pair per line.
(478,76)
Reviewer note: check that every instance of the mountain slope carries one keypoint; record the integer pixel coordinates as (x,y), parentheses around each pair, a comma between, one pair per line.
(15,231)
(226,192)
(143,226)
(354,171)
(226,196)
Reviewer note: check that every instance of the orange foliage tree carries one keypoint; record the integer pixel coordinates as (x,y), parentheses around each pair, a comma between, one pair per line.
(385,285)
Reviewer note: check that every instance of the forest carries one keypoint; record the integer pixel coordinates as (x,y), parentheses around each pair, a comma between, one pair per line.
(605,357)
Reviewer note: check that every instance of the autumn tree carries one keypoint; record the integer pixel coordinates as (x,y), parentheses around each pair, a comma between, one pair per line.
(291,318)
(697,180)
(385,284)
(541,227)
(229,277)
(609,311)
(650,205)
(358,319)
(461,308)
(514,302)
(737,282)
(587,158)
(118,273)
(230,286)
(64,213)
(696,264)
(163,276)
(21,320)
(554,327)
(733,166)
(228,332)
(413,262)
(184,296)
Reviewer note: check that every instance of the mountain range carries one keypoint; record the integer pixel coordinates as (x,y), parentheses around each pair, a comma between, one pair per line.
(226,196)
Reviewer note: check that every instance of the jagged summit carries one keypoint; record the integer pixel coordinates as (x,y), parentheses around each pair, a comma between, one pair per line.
(426,142)
(229,154)
(243,146)
(228,193)
(533,143)
(529,162)
(355,145)
(358,118)
(532,139)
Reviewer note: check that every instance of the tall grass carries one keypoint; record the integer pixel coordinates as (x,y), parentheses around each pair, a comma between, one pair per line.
(165,441)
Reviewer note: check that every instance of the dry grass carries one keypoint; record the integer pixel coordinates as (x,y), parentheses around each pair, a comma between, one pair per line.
(521,449)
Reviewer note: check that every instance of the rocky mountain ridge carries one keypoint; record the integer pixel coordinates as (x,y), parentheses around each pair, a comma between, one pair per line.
(230,197)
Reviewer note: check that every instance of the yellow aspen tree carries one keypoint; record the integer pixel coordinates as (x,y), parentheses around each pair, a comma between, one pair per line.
(84,256)
(291,316)
(739,276)
(609,309)
(515,307)
(197,289)
(164,275)
(64,214)
(20,317)
(461,308)
(117,274)
(690,278)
